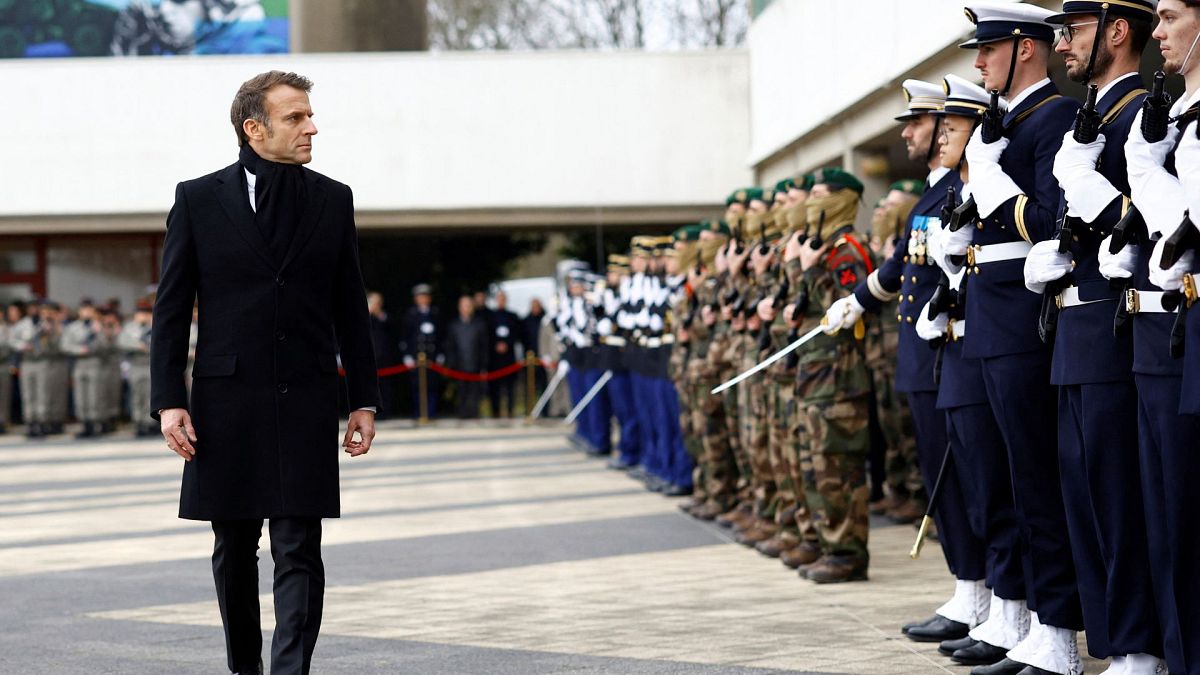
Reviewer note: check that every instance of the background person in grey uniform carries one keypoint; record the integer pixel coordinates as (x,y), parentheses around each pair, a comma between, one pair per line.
(30,338)
(6,383)
(84,339)
(58,369)
(110,400)
(134,341)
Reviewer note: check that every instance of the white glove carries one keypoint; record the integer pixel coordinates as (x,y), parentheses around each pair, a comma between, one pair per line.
(1187,165)
(842,314)
(951,244)
(1045,264)
(991,186)
(1088,192)
(1172,279)
(931,330)
(1156,193)
(410,362)
(1121,265)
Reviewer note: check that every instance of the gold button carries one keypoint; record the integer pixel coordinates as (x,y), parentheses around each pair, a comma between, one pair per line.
(909,319)
(979,225)
(899,318)
(906,259)
(912,298)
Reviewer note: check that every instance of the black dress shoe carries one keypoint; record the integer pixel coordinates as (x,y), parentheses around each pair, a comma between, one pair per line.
(979,654)
(1034,670)
(915,624)
(1005,666)
(948,647)
(938,630)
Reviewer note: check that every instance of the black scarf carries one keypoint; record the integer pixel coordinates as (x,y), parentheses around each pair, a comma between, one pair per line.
(280,196)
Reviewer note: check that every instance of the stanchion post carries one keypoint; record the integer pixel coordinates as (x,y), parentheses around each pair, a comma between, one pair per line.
(530,383)
(423,388)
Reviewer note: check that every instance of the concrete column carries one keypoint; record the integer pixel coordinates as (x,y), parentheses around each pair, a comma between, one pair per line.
(358,26)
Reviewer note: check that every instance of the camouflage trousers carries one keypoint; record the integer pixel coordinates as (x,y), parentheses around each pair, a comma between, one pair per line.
(692,442)
(716,469)
(902,477)
(788,453)
(837,433)
(755,438)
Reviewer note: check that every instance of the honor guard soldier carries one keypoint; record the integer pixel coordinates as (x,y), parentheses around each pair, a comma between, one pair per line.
(1183,28)
(909,277)
(1102,43)
(833,384)
(613,344)
(1158,304)
(85,340)
(978,476)
(134,342)
(1015,199)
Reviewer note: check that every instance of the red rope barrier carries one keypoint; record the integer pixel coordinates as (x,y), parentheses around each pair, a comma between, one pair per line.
(458,374)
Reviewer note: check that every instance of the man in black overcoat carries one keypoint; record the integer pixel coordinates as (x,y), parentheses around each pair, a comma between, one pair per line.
(269,251)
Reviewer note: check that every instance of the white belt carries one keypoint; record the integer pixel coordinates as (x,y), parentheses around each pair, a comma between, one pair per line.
(1144,302)
(1070,298)
(1014,250)
(613,341)
(654,343)
(957,329)
(668,340)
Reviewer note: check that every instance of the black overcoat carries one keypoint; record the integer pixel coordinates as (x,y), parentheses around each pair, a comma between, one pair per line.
(264,396)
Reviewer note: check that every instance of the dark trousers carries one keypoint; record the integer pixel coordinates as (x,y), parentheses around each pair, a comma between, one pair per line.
(501,392)
(598,413)
(679,466)
(1170,463)
(1026,409)
(1097,445)
(963,550)
(619,393)
(299,591)
(470,395)
(981,464)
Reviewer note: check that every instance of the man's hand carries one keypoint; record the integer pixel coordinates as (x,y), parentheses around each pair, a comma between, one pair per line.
(761,261)
(766,309)
(362,421)
(810,256)
(177,429)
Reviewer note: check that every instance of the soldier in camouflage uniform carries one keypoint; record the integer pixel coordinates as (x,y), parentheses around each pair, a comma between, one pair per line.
(905,498)
(834,385)
(708,414)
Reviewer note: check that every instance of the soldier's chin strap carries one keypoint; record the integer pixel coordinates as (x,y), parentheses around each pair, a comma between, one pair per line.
(1096,42)
(1183,67)
(933,142)
(1012,65)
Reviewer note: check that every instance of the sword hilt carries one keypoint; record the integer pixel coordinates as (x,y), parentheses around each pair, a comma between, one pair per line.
(922,532)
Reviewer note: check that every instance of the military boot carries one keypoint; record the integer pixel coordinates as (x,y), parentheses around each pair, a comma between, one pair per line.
(709,511)
(807,553)
(908,512)
(760,531)
(783,540)
(835,569)
(881,507)
(728,518)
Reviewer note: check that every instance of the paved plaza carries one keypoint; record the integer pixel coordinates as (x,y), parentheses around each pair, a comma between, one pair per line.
(462,550)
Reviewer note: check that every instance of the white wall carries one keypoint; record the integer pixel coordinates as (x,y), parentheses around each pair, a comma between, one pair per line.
(810,60)
(406,131)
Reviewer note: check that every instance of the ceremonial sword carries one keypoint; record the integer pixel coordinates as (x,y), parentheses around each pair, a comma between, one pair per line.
(766,364)
(560,374)
(590,395)
(934,498)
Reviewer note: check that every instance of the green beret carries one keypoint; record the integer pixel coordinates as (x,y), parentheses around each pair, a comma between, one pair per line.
(911,186)
(717,226)
(687,233)
(744,196)
(804,182)
(837,179)
(785,185)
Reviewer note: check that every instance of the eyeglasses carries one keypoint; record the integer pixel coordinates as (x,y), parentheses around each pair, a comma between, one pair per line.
(1067,32)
